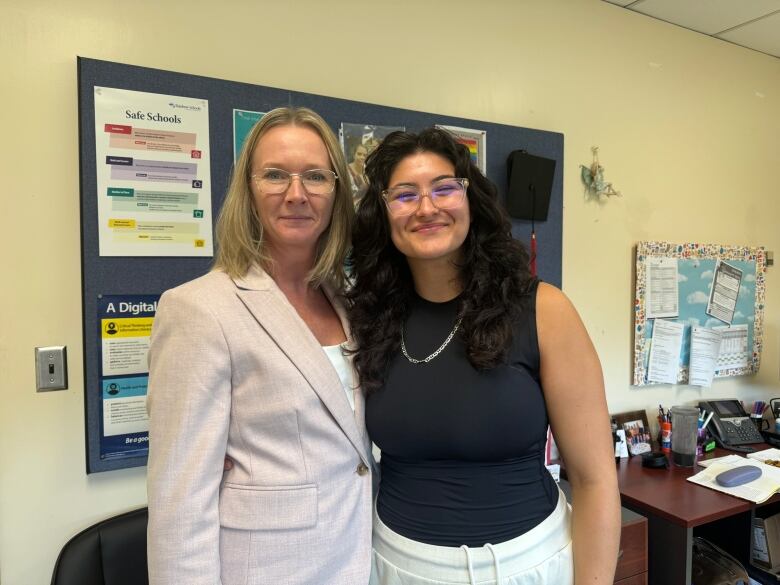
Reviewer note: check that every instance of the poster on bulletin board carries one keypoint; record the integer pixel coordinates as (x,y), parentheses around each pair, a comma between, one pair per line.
(153,171)
(125,326)
(698,312)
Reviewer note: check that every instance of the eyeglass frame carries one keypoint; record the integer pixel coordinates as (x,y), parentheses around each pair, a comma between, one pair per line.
(464,182)
(255,177)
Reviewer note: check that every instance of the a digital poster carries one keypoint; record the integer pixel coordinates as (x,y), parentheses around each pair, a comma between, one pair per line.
(125,323)
(153,174)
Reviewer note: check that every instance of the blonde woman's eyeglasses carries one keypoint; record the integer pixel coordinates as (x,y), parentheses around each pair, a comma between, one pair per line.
(319,182)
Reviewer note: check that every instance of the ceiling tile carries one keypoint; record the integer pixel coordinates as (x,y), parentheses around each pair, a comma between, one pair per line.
(761,35)
(706,16)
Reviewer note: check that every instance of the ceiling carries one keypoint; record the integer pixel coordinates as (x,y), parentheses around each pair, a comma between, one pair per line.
(754,24)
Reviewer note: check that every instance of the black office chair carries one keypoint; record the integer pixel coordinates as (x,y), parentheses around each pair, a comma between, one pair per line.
(111,552)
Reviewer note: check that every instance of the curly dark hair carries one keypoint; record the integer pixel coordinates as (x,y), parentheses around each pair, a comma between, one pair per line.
(494,273)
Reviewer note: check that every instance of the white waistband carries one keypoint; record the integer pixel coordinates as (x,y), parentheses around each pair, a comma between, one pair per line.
(471,565)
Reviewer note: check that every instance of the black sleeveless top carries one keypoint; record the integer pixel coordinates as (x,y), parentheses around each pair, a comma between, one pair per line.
(462,450)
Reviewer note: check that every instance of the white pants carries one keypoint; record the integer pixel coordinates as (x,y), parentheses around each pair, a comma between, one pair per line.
(541,556)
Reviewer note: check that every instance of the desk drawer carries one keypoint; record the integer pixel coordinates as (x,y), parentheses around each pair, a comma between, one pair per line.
(633,547)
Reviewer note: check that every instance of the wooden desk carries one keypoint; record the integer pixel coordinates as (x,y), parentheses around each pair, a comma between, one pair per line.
(632,563)
(675,507)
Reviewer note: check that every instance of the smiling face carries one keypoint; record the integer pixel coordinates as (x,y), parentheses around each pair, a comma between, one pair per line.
(293,219)
(429,234)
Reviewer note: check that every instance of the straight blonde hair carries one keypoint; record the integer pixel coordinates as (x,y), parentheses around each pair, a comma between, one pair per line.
(239,231)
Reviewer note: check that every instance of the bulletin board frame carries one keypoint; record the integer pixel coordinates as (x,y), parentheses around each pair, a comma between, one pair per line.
(102,275)
(698,260)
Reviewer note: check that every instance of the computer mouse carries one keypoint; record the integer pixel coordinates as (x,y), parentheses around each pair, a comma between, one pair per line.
(738,475)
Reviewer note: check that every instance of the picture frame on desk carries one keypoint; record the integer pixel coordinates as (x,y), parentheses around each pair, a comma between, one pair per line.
(637,429)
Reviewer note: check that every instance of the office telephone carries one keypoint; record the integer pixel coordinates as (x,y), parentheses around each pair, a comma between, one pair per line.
(730,424)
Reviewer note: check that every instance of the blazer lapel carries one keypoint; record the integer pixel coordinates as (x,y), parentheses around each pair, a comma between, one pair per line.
(268,304)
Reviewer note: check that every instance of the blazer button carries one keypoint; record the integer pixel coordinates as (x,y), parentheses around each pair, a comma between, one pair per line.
(362,469)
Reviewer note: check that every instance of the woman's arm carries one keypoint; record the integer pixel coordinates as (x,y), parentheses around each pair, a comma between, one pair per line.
(189,408)
(574,392)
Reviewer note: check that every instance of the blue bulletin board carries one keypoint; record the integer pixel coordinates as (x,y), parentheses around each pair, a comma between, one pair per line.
(104,275)
(696,265)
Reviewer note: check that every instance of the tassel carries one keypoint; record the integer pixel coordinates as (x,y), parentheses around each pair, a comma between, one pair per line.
(532,189)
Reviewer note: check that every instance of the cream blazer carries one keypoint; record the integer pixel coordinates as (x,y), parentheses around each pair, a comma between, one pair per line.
(233,370)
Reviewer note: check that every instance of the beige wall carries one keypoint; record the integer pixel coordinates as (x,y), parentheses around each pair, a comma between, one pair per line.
(689,130)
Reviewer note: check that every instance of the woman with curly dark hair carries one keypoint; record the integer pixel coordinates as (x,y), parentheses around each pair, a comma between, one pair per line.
(465,359)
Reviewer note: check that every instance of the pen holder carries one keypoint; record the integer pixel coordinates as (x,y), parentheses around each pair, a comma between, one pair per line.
(685,422)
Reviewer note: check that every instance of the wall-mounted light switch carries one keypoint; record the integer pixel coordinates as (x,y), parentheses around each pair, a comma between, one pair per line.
(51,368)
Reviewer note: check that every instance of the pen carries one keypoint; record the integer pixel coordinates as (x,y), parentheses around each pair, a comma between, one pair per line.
(707,420)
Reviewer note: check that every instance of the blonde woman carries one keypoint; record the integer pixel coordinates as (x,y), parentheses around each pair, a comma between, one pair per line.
(246,363)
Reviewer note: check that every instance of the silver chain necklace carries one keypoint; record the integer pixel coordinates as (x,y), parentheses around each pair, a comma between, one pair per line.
(435,353)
